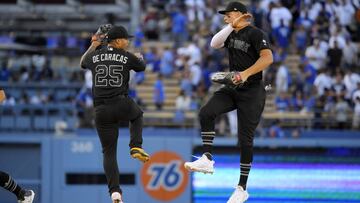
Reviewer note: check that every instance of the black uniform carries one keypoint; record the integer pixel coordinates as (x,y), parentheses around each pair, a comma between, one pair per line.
(111,71)
(244,48)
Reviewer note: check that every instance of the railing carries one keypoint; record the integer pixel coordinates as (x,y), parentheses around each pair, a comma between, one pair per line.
(27,117)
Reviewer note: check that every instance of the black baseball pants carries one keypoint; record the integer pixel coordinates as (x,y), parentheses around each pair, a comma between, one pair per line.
(108,114)
(249,101)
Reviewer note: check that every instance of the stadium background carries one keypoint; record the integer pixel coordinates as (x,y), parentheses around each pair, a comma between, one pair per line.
(307,145)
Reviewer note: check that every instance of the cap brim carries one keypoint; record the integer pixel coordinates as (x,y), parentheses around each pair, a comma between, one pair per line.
(223,12)
(130,36)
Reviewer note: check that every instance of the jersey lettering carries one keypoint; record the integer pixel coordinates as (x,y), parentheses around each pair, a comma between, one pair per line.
(108,76)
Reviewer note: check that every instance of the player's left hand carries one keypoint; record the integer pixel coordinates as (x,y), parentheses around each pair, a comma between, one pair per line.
(239,78)
(228,78)
(139,55)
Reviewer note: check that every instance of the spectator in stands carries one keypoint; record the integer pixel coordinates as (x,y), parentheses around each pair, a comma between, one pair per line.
(194,53)
(179,28)
(195,75)
(356,112)
(38,98)
(338,88)
(304,20)
(278,13)
(153,59)
(88,79)
(310,101)
(329,100)
(323,80)
(357,19)
(275,130)
(300,39)
(309,73)
(345,12)
(337,39)
(350,80)
(298,101)
(167,63)
(24,98)
(165,27)
(183,101)
(138,37)
(47,72)
(282,102)
(283,78)
(195,10)
(281,35)
(350,53)
(216,22)
(24,74)
(2,95)
(341,112)
(258,14)
(316,55)
(185,83)
(334,57)
(151,24)
(159,93)
(4,73)
(9,100)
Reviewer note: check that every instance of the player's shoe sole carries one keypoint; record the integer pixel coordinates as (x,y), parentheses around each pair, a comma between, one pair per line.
(195,169)
(140,154)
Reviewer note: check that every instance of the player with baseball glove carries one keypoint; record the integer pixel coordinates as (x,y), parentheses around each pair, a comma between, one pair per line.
(249,54)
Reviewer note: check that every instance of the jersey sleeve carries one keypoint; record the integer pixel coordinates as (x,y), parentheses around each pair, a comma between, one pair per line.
(259,40)
(85,64)
(136,64)
(227,41)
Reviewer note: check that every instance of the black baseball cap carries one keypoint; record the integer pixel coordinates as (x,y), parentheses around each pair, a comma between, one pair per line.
(234,6)
(118,32)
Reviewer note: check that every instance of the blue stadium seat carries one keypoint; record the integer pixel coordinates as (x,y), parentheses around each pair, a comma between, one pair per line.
(40,123)
(7,122)
(23,122)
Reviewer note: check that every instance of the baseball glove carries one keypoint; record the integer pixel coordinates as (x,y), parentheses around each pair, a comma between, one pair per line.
(101,33)
(227,78)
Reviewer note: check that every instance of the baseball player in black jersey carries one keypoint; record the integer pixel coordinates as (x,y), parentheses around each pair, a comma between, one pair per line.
(249,54)
(110,67)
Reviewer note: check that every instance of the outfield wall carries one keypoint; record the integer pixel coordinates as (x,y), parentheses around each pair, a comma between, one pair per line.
(68,169)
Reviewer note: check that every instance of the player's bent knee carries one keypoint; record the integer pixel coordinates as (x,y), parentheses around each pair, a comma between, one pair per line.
(206,113)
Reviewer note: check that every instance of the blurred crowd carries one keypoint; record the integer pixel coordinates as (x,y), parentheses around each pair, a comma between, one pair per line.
(315,45)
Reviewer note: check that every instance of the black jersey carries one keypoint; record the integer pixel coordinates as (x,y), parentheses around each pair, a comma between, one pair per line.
(110,68)
(244,49)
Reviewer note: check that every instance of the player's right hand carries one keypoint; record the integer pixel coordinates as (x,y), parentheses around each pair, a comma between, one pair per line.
(241,21)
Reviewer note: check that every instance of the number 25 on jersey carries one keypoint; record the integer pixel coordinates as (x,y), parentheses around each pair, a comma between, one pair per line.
(106,76)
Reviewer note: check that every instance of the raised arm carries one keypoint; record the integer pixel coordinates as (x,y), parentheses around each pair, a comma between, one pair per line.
(92,48)
(219,38)
(237,24)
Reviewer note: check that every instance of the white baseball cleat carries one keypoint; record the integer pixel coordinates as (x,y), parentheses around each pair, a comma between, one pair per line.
(28,197)
(116,197)
(239,195)
(203,165)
